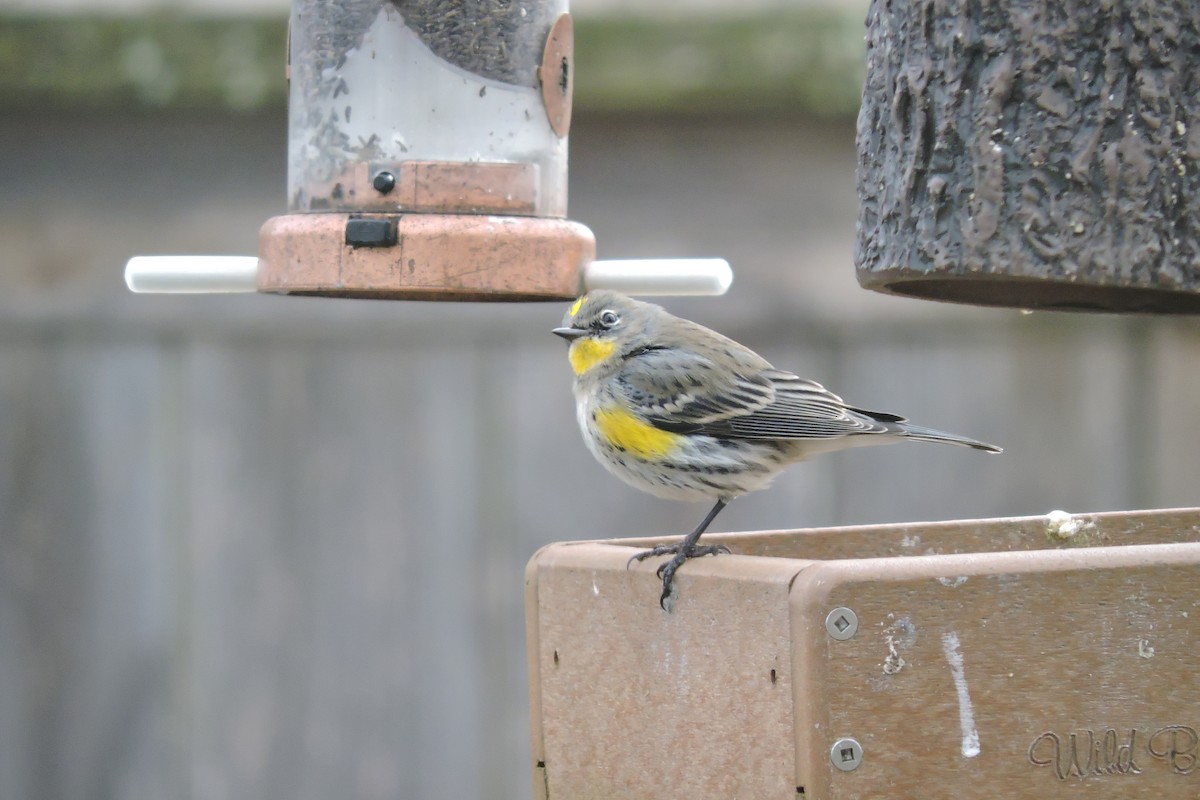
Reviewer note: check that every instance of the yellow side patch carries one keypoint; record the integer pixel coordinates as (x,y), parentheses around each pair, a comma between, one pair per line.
(575,308)
(587,352)
(621,429)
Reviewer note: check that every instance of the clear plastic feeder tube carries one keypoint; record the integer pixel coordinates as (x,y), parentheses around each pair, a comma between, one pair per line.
(426,105)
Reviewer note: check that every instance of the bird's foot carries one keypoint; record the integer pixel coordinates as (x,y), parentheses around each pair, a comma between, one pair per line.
(671,549)
(682,553)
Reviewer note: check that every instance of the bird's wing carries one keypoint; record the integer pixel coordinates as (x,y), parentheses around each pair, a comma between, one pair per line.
(685,388)
(800,409)
(686,392)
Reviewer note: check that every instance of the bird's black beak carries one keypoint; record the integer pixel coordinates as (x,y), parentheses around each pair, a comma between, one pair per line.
(570,334)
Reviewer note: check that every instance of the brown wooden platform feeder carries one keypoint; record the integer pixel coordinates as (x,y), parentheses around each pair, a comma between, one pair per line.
(1032,155)
(1019,658)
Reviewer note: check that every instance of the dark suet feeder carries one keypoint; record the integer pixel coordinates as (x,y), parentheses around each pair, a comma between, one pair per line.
(1037,155)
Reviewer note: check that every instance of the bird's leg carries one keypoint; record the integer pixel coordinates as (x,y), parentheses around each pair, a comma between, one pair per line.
(683,550)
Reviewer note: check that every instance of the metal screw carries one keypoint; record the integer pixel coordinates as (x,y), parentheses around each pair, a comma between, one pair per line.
(842,623)
(384,182)
(846,754)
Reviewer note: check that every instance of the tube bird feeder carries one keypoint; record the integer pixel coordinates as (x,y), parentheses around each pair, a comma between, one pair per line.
(427,160)
(427,153)
(1034,155)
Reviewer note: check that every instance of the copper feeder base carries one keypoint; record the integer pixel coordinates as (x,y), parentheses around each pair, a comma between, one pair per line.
(461,257)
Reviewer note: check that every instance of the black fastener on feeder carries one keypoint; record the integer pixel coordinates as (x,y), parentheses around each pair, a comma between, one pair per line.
(1029,156)
(384,182)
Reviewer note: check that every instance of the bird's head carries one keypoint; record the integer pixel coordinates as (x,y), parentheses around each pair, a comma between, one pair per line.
(604,326)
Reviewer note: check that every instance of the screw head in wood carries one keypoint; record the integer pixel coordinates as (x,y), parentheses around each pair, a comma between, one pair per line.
(846,754)
(842,623)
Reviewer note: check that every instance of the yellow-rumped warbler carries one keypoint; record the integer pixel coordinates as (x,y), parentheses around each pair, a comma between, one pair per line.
(682,412)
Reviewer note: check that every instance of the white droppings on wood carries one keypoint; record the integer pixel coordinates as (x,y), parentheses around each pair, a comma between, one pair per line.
(966,712)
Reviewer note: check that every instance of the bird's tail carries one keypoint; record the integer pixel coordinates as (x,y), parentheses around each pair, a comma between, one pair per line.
(917,433)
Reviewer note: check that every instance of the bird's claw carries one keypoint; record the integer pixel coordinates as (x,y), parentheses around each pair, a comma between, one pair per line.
(666,570)
(672,549)
(657,550)
(682,556)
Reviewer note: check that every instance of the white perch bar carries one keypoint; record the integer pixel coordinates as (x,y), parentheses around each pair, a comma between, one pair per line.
(660,276)
(191,274)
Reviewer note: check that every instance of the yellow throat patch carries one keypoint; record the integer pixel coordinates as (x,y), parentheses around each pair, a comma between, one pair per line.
(622,429)
(587,352)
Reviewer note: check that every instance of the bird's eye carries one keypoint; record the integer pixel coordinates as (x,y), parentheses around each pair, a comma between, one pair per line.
(609,318)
